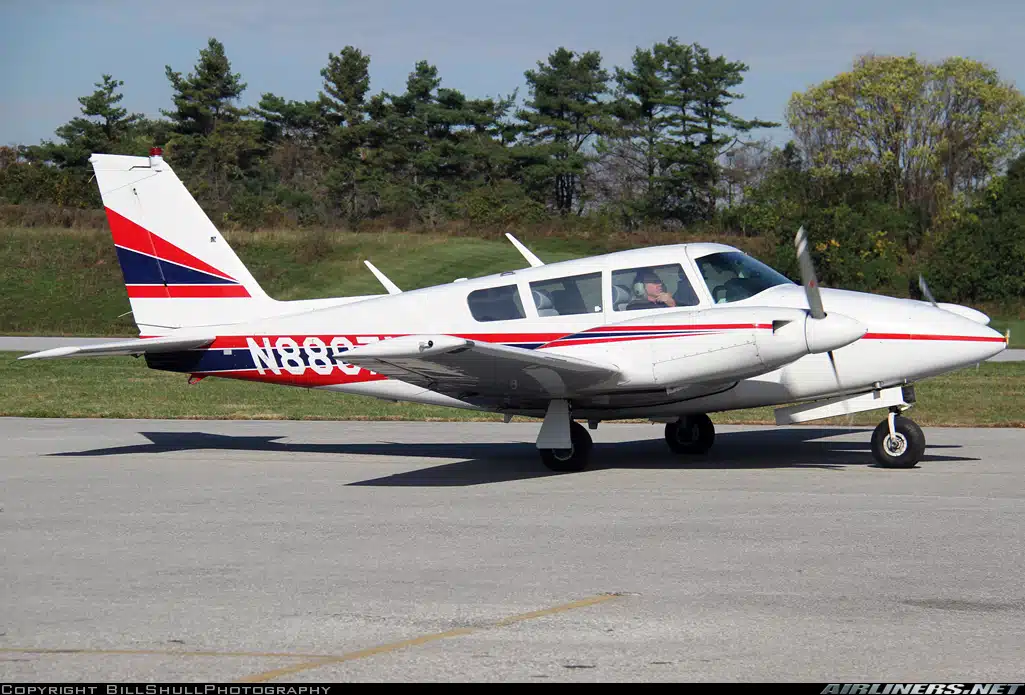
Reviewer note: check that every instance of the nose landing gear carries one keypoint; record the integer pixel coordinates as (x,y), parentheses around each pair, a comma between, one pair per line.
(898,442)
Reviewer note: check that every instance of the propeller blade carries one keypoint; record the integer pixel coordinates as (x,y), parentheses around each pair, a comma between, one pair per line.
(832,363)
(925,290)
(808,279)
(836,375)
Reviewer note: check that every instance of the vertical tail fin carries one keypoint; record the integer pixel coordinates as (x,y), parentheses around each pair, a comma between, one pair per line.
(178,269)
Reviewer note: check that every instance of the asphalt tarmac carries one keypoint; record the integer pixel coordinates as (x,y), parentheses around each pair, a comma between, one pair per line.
(336,551)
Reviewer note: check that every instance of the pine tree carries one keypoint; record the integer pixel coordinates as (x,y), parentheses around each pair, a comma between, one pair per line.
(205,97)
(343,103)
(346,83)
(214,146)
(103,127)
(564,114)
(674,124)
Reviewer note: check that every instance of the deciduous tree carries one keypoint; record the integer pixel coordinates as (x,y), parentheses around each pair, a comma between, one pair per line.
(932,129)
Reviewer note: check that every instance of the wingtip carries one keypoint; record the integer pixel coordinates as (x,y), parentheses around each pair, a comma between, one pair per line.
(46,354)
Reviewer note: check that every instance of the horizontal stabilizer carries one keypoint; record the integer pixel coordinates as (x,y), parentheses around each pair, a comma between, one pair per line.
(137,346)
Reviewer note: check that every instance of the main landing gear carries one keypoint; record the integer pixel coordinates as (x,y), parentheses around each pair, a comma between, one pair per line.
(691,434)
(575,458)
(897,442)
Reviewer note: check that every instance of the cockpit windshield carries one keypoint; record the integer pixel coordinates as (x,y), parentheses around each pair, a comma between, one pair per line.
(732,276)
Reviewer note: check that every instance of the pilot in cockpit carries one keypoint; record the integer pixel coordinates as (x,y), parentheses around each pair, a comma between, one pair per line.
(649,292)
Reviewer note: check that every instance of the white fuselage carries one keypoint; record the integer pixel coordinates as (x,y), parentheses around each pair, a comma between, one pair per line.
(676,360)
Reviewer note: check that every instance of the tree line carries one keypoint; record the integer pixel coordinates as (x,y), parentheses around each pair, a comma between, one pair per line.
(896,166)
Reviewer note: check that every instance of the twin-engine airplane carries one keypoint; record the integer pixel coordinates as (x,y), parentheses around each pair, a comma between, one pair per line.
(666,334)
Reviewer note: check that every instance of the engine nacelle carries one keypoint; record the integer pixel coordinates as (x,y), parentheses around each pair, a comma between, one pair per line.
(722,344)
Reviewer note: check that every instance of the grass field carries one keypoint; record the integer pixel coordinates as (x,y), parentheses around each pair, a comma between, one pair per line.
(992,395)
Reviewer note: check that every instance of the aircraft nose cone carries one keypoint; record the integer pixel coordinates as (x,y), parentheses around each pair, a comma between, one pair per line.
(832,332)
(954,338)
(992,343)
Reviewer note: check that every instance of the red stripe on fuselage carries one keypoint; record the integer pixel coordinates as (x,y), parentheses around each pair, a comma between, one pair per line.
(131,236)
(235,341)
(683,327)
(240,342)
(186,291)
(918,336)
(619,339)
(308,378)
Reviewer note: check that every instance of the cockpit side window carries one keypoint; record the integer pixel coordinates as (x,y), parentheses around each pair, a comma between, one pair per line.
(732,276)
(496,304)
(651,287)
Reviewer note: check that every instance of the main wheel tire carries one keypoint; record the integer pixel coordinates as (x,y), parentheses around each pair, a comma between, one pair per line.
(901,451)
(570,460)
(691,434)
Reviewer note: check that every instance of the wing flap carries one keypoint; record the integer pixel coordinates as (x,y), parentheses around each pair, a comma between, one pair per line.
(450,364)
(137,346)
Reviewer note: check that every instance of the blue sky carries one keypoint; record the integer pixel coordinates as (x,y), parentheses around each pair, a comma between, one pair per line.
(52,51)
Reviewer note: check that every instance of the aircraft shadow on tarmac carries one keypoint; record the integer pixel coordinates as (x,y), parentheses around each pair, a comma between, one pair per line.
(496,462)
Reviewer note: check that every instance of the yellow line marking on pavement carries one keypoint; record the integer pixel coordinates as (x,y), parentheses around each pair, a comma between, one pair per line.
(602,598)
(159,652)
(395,646)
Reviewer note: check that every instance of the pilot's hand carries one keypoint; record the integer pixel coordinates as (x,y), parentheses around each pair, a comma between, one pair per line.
(666,299)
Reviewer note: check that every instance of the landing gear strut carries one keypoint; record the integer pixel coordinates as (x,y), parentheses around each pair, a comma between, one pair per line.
(897,442)
(691,434)
(573,459)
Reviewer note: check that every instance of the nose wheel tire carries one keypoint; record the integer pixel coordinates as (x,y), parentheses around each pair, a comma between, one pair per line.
(570,460)
(901,449)
(691,434)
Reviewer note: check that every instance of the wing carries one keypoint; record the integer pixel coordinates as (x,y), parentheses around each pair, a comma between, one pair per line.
(137,346)
(453,365)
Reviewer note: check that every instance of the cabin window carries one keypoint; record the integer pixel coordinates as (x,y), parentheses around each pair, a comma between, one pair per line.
(496,304)
(732,276)
(651,287)
(579,294)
